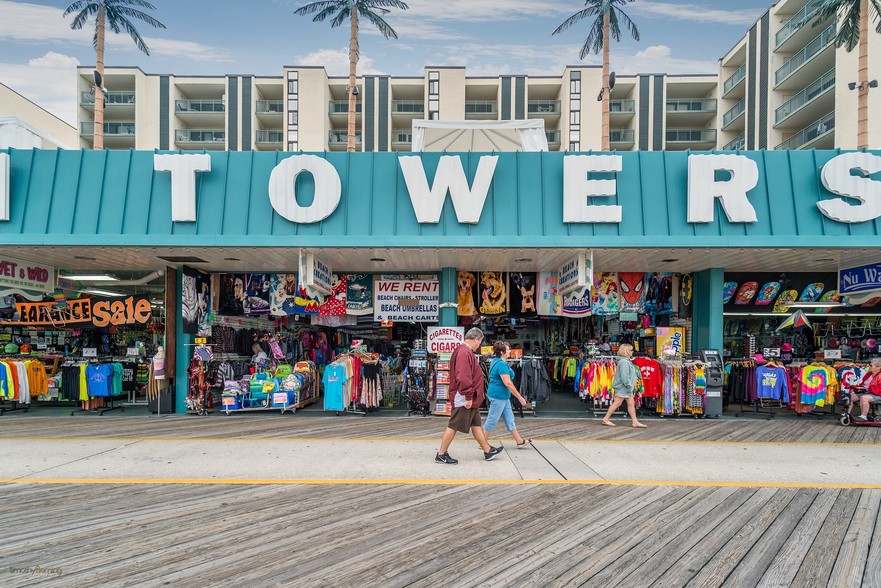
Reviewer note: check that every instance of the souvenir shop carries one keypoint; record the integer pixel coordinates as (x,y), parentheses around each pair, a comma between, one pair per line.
(566,256)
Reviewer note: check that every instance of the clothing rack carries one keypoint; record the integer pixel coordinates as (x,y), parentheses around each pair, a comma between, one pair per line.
(15,406)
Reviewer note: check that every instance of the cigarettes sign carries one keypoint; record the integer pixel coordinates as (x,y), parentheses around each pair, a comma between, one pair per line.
(445,339)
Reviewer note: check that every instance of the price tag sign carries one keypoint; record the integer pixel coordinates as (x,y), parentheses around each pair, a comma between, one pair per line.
(41,346)
(90,352)
(201,340)
(832,354)
(131,351)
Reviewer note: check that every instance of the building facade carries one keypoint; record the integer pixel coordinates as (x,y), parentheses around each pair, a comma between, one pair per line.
(24,125)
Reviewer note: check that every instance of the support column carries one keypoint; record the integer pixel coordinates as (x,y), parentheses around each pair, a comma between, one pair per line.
(182,351)
(708,321)
(449,310)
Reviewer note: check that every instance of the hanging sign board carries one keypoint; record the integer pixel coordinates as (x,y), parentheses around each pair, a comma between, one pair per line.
(576,274)
(26,275)
(445,339)
(90,352)
(671,341)
(832,354)
(315,274)
(859,279)
(406,300)
(82,312)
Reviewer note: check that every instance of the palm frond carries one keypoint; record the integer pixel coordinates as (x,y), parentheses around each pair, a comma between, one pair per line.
(591,11)
(634,32)
(320,6)
(384,4)
(80,19)
(340,18)
(877,5)
(133,33)
(849,27)
(143,16)
(78,6)
(377,21)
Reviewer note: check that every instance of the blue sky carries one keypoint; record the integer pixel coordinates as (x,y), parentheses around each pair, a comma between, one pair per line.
(39,51)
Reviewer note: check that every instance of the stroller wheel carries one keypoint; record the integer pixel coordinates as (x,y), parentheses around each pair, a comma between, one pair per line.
(845,419)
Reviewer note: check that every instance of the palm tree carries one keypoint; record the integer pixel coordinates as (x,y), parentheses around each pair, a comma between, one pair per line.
(853,30)
(373,11)
(609,15)
(117,14)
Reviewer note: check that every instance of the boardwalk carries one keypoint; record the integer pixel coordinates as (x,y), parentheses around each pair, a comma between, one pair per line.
(433,533)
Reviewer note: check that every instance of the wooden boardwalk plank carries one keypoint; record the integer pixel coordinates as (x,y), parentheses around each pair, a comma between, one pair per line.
(851,561)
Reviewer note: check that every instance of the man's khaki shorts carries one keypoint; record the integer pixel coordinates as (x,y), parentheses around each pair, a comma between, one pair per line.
(462,419)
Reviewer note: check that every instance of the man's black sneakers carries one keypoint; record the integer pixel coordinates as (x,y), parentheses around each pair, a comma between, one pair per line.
(493,451)
(445,458)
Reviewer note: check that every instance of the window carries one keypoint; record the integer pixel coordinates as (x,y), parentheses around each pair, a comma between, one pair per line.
(434,75)
(292,104)
(575,117)
(575,105)
(434,115)
(575,75)
(573,136)
(433,87)
(292,146)
(292,86)
(575,146)
(433,105)
(575,87)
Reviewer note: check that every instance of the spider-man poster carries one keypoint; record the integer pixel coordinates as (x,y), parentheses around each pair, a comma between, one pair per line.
(633,287)
(659,298)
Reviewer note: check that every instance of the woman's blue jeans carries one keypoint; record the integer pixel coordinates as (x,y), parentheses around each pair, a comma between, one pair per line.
(499,409)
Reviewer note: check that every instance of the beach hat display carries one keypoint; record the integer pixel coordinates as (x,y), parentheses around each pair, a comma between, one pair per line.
(759,359)
(786,347)
(871,344)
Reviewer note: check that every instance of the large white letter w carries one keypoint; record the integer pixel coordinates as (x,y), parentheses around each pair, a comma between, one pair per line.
(429,202)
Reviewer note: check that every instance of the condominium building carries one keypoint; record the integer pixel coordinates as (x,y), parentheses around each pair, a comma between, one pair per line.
(24,125)
(775,89)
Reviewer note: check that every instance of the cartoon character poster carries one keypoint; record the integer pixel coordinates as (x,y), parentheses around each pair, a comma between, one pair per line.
(359,294)
(335,304)
(231,292)
(605,294)
(550,302)
(195,302)
(728,290)
(686,294)
(746,293)
(467,293)
(493,293)
(522,292)
(577,303)
(283,289)
(633,287)
(768,293)
(659,298)
(257,293)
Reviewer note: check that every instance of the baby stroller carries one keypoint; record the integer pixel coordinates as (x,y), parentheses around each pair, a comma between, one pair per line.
(873,419)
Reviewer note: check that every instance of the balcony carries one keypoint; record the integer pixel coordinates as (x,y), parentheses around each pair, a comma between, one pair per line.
(733,114)
(817,135)
(699,139)
(797,110)
(337,139)
(196,138)
(110,99)
(199,106)
(734,80)
(483,109)
(553,137)
(111,129)
(691,112)
(409,107)
(264,137)
(800,59)
(400,137)
(621,136)
(738,144)
(543,107)
(692,105)
(342,107)
(270,107)
(798,20)
(622,109)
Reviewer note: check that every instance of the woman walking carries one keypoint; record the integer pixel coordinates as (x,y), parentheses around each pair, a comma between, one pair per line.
(623,384)
(499,392)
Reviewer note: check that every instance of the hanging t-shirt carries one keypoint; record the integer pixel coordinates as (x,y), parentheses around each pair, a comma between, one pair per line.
(99,378)
(497,388)
(334,380)
(772,382)
(652,376)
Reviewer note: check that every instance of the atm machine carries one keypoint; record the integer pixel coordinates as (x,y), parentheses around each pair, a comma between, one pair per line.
(715,374)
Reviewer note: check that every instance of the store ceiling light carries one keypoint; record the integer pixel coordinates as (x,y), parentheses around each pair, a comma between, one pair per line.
(670,260)
(523,260)
(231,259)
(90,277)
(814,304)
(103,292)
(377,259)
(84,257)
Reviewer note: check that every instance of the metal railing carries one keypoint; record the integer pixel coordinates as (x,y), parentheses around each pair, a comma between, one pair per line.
(733,113)
(199,136)
(111,129)
(692,105)
(734,79)
(621,136)
(691,135)
(269,136)
(402,137)
(553,137)
(111,98)
(480,107)
(342,107)
(818,43)
(796,22)
(813,131)
(737,144)
(337,137)
(408,107)
(199,106)
(626,106)
(814,90)
(270,107)
(543,107)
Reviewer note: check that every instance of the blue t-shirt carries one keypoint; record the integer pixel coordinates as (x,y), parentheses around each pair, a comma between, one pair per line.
(497,388)
(333,380)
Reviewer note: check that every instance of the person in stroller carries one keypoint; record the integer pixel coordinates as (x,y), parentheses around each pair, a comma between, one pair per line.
(868,391)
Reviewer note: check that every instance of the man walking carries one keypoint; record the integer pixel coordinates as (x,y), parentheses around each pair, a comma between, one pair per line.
(466,387)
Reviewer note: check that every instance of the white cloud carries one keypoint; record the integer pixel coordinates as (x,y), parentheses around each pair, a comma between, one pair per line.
(48,81)
(469,11)
(336,62)
(697,13)
(660,59)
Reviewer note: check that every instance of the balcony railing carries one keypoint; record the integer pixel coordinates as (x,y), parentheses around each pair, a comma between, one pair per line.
(111,98)
(199,136)
(810,133)
(199,106)
(111,129)
(621,136)
(270,107)
(819,43)
(692,105)
(732,114)
(553,137)
(337,137)
(269,136)
(625,106)
(738,144)
(734,79)
(543,107)
(342,107)
(402,137)
(480,107)
(691,135)
(408,107)
(795,103)
(796,22)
